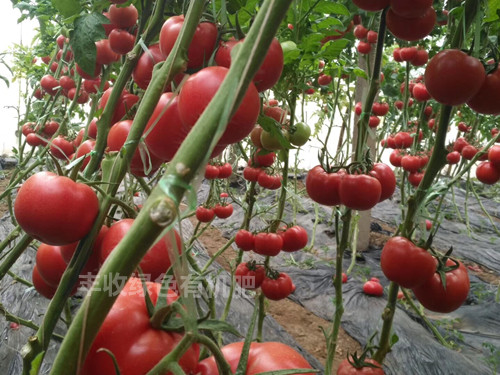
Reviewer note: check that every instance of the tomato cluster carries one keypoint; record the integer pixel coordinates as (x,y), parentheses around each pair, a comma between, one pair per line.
(417,56)
(222,209)
(355,191)
(378,109)
(366,39)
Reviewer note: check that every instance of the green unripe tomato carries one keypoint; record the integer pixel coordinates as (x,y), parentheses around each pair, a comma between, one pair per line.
(299,134)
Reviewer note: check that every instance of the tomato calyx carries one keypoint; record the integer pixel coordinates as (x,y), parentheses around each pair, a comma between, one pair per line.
(360,362)
(272,273)
(443,267)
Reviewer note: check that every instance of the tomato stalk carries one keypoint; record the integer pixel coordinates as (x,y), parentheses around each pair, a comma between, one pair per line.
(10,237)
(14,254)
(171,359)
(161,207)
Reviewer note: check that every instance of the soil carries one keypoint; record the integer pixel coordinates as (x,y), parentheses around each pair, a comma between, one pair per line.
(304,326)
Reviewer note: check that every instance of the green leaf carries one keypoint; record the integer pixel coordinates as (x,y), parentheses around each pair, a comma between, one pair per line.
(87,30)
(272,126)
(290,52)
(332,49)
(394,339)
(329,7)
(360,73)
(327,22)
(67,8)
(492,11)
(220,326)
(5,80)
(36,363)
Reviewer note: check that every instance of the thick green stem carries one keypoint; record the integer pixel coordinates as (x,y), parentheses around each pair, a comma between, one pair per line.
(174,356)
(14,254)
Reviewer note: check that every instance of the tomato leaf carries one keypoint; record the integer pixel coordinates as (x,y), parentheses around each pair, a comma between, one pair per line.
(493,11)
(272,126)
(219,326)
(329,7)
(36,363)
(67,8)
(394,339)
(87,30)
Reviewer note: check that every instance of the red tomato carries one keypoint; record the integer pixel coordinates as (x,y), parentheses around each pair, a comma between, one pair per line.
(50,264)
(136,345)
(205,214)
(371,37)
(223,211)
(277,288)
(468,152)
(83,96)
(143,71)
(373,288)
(61,148)
(487,173)
(373,122)
(251,174)
(323,187)
(262,357)
(405,263)
(85,149)
(202,44)
(408,53)
(420,58)
(123,17)
(371,5)
(420,92)
(267,181)
(198,91)
(487,99)
(294,239)
(459,144)
(105,55)
(156,261)
(346,368)
(86,75)
(262,158)
(67,82)
(415,178)
(211,172)
(410,163)
(452,77)
(453,157)
(411,29)
(269,72)
(385,175)
(225,170)
(395,158)
(364,48)
(28,128)
(143,163)
(359,192)
(268,244)
(249,275)
(125,103)
(55,209)
(92,85)
(494,156)
(245,240)
(403,140)
(41,285)
(324,79)
(49,84)
(121,41)
(380,109)
(434,297)
(410,8)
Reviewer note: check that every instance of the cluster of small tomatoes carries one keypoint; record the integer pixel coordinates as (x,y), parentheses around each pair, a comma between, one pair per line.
(251,275)
(378,109)
(221,209)
(366,39)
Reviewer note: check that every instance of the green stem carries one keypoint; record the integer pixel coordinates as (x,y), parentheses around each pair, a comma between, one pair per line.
(174,356)
(10,237)
(387,318)
(14,254)
(222,364)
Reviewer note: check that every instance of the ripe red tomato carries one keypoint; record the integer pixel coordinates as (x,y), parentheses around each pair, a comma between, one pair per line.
(411,29)
(420,92)
(49,84)
(205,214)
(414,178)
(225,170)
(359,191)
(50,264)
(346,368)
(494,156)
(269,72)
(452,77)
(198,91)
(156,261)
(403,140)
(251,174)
(262,158)
(408,53)
(41,285)
(294,238)
(459,144)
(324,79)
(223,211)
(136,345)
(211,172)
(250,275)
(121,41)
(380,109)
(86,75)
(453,157)
(202,44)
(371,37)
(268,244)
(67,82)
(61,148)
(487,173)
(395,158)
(85,149)
(373,122)
(360,32)
(55,209)
(123,17)
(245,240)
(385,175)
(125,103)
(420,58)
(92,85)
(277,288)
(364,48)
(371,5)
(373,288)
(323,187)
(487,99)
(468,152)
(105,55)
(434,297)
(262,357)
(268,181)
(405,263)
(143,163)
(82,98)
(410,163)
(410,8)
